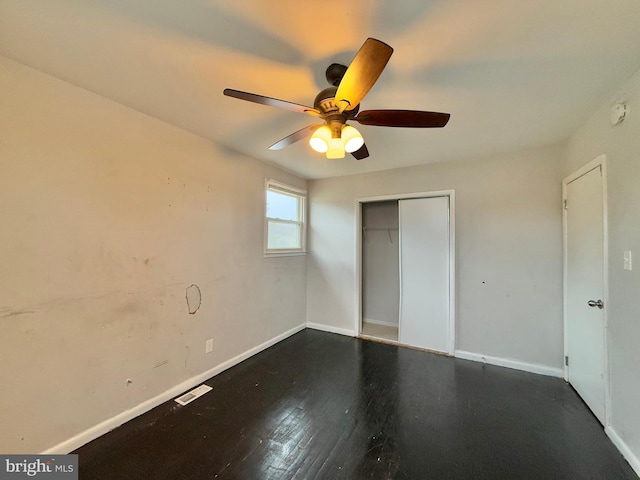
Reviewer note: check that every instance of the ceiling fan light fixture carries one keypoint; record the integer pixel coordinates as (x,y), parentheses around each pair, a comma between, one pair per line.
(351,138)
(321,139)
(336,148)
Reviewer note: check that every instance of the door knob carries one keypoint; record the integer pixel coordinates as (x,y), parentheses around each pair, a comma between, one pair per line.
(596,303)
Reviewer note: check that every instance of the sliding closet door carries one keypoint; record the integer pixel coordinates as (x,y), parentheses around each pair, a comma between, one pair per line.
(424,273)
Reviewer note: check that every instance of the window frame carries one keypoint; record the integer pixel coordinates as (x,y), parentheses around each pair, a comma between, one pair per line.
(301,195)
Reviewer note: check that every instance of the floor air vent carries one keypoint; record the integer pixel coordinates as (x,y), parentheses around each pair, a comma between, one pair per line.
(193,394)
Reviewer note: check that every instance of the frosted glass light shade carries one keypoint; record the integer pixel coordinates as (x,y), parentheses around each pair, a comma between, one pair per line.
(351,138)
(336,148)
(321,139)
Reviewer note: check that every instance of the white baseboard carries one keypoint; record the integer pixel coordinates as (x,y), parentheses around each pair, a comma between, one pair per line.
(379,322)
(330,329)
(106,426)
(515,364)
(626,452)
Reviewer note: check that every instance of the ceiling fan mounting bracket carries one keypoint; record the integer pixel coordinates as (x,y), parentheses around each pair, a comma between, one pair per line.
(334,73)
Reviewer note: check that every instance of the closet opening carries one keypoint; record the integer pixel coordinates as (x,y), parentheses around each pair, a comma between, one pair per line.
(405,272)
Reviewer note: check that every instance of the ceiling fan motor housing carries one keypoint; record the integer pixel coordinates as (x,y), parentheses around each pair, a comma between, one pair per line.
(325,102)
(334,119)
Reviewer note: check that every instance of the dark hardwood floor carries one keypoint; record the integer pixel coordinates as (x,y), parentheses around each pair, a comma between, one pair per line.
(325,406)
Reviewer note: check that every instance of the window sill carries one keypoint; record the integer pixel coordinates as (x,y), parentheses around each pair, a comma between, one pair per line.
(283,254)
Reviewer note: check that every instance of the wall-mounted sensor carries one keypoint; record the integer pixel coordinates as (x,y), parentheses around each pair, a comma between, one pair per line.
(618,112)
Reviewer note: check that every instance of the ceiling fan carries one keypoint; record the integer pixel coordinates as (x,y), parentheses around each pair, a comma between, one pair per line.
(341,103)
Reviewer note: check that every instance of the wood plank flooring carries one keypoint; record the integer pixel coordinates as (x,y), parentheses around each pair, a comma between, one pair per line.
(325,406)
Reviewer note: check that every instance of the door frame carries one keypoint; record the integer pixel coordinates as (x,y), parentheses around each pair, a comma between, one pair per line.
(452,256)
(598,162)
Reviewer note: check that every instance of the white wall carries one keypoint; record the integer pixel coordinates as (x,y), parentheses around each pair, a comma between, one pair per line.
(621,144)
(107,215)
(509,250)
(380,262)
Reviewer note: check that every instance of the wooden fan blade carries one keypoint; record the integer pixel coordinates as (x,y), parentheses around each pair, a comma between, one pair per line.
(361,153)
(362,73)
(271,102)
(402,118)
(294,137)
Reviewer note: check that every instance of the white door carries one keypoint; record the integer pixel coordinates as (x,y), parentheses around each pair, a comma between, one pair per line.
(585,329)
(424,273)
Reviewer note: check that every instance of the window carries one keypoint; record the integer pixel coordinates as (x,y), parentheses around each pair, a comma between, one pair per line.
(285,228)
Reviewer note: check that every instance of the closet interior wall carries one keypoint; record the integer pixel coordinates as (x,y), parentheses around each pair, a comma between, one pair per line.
(380,269)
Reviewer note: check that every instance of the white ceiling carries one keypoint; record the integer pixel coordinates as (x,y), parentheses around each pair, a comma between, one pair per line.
(512,74)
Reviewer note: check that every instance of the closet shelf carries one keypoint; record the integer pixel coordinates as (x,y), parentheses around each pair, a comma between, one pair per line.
(364,230)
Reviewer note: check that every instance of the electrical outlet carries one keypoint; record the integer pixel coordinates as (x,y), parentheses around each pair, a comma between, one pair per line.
(627,260)
(208,346)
